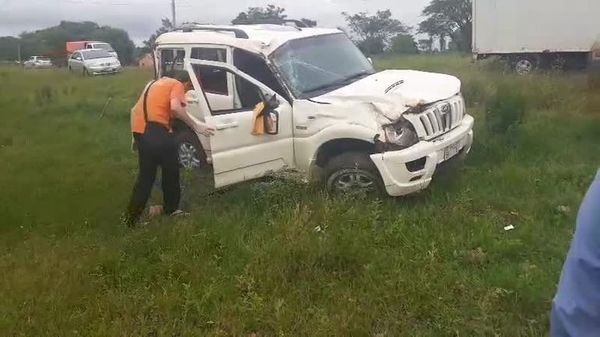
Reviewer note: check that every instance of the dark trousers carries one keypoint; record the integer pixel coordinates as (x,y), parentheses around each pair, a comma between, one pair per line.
(156,148)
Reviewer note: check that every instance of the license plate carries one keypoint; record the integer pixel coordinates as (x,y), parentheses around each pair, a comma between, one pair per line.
(453,150)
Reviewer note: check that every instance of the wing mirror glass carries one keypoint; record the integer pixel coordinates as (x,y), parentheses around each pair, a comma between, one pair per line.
(271,115)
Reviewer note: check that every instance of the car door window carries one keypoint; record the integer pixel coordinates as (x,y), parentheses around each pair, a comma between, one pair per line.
(214,80)
(209,54)
(257,67)
(171,59)
(245,97)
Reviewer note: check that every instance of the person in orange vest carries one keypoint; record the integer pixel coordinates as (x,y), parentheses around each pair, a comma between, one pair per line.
(161,101)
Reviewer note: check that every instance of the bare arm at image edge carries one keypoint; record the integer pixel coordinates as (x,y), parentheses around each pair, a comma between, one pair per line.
(576,306)
(178,111)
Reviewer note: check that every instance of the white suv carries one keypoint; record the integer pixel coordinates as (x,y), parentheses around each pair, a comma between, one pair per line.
(335,118)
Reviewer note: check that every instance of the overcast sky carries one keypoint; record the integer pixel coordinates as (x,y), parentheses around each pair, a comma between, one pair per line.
(141,17)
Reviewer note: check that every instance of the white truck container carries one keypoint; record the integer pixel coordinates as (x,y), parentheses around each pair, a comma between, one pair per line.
(537,33)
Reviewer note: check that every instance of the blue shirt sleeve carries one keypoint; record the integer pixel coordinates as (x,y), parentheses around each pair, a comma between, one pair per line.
(576,306)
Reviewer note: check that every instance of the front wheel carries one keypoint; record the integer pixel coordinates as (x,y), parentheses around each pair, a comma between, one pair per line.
(190,152)
(351,173)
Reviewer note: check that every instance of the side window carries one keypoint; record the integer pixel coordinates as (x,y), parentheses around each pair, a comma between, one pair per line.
(246,95)
(89,46)
(75,55)
(171,59)
(213,80)
(256,67)
(209,54)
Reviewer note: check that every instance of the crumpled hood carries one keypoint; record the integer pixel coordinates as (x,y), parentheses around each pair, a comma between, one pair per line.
(393,92)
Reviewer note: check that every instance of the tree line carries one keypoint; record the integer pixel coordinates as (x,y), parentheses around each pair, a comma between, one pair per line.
(446,24)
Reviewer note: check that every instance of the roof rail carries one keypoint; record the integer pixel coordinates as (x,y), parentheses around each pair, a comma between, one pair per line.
(186,28)
(298,24)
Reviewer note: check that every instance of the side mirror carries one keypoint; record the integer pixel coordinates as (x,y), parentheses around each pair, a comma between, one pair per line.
(271,115)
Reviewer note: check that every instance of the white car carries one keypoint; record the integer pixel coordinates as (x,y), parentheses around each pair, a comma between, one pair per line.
(331,115)
(38,62)
(93,62)
(102,45)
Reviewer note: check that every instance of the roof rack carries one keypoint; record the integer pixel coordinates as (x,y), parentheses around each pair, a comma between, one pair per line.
(298,24)
(186,28)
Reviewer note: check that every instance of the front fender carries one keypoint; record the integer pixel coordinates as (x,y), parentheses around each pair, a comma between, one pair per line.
(306,148)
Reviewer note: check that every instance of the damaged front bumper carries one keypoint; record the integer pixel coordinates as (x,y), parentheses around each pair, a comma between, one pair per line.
(411,170)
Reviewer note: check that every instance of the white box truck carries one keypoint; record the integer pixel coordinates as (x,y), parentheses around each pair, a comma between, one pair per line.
(537,33)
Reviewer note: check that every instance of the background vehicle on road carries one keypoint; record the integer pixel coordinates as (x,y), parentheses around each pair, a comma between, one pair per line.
(331,115)
(38,62)
(94,62)
(537,33)
(73,46)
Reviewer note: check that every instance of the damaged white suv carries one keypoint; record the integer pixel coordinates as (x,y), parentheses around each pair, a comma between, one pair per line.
(334,117)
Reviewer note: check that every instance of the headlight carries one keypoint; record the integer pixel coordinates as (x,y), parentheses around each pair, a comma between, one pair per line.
(400,134)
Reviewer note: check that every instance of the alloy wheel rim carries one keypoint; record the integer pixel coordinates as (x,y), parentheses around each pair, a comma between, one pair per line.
(353,181)
(188,156)
(524,66)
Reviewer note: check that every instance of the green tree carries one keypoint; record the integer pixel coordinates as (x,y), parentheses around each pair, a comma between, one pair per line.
(270,14)
(404,44)
(9,48)
(454,18)
(150,44)
(309,22)
(437,29)
(374,32)
(254,15)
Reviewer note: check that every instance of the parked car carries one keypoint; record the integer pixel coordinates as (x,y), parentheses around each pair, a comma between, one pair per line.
(38,62)
(73,46)
(331,116)
(537,33)
(94,62)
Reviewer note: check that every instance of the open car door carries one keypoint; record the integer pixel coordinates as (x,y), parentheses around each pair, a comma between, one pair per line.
(238,153)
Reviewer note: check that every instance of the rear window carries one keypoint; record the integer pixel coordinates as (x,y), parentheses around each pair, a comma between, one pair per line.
(104,46)
(95,54)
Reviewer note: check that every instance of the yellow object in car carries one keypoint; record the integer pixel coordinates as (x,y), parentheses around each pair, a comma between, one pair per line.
(258,127)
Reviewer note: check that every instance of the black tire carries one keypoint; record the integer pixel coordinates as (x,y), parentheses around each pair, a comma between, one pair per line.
(525,64)
(189,149)
(351,173)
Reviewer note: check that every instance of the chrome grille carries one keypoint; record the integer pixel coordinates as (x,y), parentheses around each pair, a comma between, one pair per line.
(439,118)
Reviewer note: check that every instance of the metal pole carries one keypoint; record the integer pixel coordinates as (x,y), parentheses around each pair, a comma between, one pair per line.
(173,12)
(19,51)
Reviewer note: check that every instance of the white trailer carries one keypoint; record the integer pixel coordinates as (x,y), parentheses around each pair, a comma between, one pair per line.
(537,33)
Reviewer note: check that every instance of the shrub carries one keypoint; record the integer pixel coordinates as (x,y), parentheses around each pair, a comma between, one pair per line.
(505,110)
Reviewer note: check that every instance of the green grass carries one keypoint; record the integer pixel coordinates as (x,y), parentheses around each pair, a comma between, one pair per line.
(249,260)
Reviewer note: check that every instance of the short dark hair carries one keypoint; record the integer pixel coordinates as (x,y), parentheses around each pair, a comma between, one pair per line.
(180,75)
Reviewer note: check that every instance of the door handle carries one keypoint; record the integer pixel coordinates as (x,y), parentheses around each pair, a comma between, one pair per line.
(193,101)
(229,125)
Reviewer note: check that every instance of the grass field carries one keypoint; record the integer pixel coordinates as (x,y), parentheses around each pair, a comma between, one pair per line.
(249,261)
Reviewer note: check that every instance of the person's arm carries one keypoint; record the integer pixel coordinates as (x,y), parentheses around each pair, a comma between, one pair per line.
(178,111)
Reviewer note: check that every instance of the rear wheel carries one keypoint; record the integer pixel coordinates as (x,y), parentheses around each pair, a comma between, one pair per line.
(351,173)
(524,64)
(190,151)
